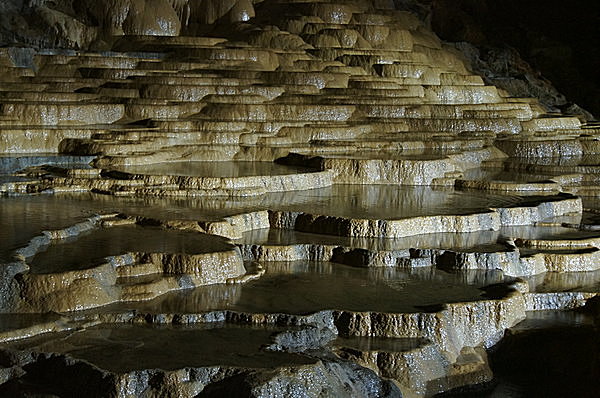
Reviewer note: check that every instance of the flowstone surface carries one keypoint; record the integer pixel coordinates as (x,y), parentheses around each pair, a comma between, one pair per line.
(281,198)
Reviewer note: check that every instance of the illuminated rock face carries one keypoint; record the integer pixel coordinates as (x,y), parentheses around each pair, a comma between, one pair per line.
(321,195)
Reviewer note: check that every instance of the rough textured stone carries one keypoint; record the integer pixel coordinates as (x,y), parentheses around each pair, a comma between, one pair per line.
(314,198)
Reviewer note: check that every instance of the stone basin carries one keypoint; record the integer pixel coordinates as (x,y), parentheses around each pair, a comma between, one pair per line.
(305,287)
(507,176)
(535,349)
(107,259)
(27,216)
(551,282)
(9,179)
(214,169)
(24,217)
(394,202)
(541,164)
(185,264)
(13,163)
(550,232)
(93,247)
(10,322)
(362,343)
(283,237)
(142,347)
(392,155)
(172,360)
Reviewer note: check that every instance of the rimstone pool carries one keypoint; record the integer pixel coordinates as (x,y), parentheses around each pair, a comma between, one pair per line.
(287,198)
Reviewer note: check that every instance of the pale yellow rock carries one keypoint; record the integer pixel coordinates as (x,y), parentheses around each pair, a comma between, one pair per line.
(63,113)
(556,301)
(359,92)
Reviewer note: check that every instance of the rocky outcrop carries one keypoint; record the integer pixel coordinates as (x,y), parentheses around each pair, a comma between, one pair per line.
(95,24)
(513,47)
(127,274)
(316,198)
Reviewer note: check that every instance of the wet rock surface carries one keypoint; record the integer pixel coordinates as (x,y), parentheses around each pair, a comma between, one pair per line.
(278,198)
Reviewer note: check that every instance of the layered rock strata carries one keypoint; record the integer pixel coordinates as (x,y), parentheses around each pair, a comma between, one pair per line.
(322,193)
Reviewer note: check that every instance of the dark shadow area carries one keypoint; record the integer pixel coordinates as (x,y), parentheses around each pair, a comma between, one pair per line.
(558,38)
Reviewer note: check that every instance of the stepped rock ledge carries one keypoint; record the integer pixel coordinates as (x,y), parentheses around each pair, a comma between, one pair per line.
(284,198)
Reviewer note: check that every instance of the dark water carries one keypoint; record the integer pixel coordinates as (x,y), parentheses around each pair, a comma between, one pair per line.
(123,348)
(23,217)
(304,287)
(549,282)
(549,354)
(13,163)
(214,169)
(92,247)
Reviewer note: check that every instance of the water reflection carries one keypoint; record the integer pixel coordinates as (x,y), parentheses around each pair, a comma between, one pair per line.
(23,217)
(140,347)
(566,281)
(305,287)
(93,247)
(213,169)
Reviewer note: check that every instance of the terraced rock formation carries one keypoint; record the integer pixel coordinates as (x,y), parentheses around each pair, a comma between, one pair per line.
(286,198)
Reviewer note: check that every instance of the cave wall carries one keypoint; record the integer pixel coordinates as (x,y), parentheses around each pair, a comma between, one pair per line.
(532,42)
(92,24)
(519,46)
